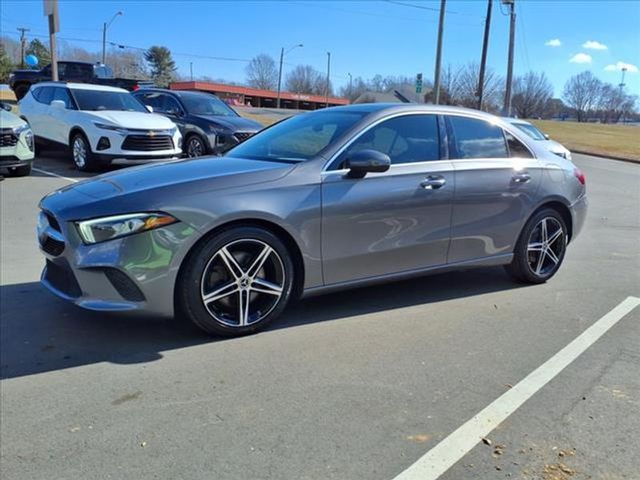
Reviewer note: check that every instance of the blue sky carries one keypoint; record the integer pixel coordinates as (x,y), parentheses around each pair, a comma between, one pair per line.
(364,37)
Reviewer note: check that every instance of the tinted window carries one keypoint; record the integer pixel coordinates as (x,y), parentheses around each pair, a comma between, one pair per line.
(161,102)
(97,100)
(516,147)
(406,139)
(102,71)
(476,138)
(60,93)
(205,104)
(298,138)
(43,94)
(75,71)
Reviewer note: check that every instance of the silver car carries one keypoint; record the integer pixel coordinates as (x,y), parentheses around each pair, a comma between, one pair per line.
(542,138)
(324,201)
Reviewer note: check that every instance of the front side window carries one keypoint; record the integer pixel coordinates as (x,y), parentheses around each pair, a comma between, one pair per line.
(43,95)
(205,104)
(100,100)
(475,138)
(60,93)
(406,139)
(298,138)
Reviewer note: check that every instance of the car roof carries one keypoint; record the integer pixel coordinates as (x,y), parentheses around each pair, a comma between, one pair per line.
(389,108)
(82,86)
(516,121)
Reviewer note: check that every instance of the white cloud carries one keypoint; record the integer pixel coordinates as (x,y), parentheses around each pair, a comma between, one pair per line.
(555,42)
(581,58)
(620,65)
(593,45)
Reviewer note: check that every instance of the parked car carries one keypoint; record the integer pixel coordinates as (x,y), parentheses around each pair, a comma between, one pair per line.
(81,72)
(208,125)
(323,201)
(544,140)
(16,143)
(98,124)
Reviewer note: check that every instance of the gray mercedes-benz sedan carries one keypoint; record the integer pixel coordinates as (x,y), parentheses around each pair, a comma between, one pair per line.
(327,200)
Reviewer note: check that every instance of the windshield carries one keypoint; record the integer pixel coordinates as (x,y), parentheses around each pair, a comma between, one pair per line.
(298,138)
(98,100)
(530,130)
(205,104)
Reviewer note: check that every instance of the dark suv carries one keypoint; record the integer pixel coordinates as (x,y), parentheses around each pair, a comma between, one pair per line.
(208,125)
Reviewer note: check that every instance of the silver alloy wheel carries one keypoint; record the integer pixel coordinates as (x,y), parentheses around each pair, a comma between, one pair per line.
(242,282)
(546,246)
(195,147)
(79,152)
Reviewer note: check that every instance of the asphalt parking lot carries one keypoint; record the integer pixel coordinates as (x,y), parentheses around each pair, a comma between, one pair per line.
(353,385)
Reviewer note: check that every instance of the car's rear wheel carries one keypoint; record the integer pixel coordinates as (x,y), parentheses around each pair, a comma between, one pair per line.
(540,249)
(237,282)
(21,171)
(82,156)
(195,146)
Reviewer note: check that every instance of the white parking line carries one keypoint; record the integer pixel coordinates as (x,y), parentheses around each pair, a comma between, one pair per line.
(445,454)
(72,180)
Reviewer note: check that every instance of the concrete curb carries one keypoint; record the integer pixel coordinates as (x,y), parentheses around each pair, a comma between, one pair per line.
(609,157)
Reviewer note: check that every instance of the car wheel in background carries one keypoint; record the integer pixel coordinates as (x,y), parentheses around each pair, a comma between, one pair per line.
(195,146)
(21,171)
(540,249)
(237,282)
(81,154)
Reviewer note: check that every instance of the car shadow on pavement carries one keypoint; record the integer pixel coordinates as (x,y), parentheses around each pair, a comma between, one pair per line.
(40,333)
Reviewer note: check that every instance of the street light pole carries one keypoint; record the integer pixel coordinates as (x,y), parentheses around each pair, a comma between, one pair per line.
(350,84)
(512,36)
(485,46)
(436,77)
(282,52)
(106,25)
(328,72)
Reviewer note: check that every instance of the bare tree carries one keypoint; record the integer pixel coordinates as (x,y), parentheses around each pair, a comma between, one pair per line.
(262,72)
(303,79)
(582,94)
(613,103)
(531,92)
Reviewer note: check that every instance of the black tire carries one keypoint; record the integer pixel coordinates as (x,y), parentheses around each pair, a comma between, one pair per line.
(204,270)
(21,90)
(89,163)
(21,171)
(195,143)
(527,266)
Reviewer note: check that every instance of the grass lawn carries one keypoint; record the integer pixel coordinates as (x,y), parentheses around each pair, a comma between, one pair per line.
(615,140)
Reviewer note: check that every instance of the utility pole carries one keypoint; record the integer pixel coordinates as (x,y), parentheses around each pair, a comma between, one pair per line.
(106,25)
(51,12)
(485,46)
(23,42)
(282,52)
(512,36)
(436,77)
(328,81)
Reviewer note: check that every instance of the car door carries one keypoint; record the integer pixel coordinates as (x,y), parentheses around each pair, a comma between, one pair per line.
(60,118)
(389,222)
(496,182)
(38,112)
(172,109)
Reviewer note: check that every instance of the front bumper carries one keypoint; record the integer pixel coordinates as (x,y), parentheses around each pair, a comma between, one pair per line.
(135,273)
(221,142)
(111,145)
(19,154)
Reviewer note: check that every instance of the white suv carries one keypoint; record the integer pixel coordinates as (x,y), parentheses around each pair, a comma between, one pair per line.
(98,124)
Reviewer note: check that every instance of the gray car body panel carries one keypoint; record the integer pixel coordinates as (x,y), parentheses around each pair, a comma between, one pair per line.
(348,231)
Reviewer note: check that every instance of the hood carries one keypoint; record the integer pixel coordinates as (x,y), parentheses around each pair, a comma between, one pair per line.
(153,186)
(9,120)
(137,120)
(235,124)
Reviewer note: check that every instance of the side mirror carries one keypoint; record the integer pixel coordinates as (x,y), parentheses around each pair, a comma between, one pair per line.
(58,104)
(5,106)
(366,161)
(546,136)
(150,108)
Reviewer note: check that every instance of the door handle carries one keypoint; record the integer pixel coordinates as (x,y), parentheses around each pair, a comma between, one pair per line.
(433,182)
(521,177)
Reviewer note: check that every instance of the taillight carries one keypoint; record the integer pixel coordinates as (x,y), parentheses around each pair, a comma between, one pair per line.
(579,174)
(136,87)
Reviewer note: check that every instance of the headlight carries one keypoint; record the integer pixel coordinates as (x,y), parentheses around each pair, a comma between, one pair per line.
(109,228)
(22,128)
(113,128)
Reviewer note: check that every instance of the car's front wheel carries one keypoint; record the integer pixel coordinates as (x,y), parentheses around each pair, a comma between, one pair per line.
(540,249)
(236,282)
(195,146)
(82,156)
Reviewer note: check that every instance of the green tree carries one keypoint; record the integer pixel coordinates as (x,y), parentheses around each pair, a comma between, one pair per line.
(40,50)
(163,68)
(6,66)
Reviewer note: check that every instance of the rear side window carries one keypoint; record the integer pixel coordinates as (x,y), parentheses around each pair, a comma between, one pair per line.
(475,138)
(406,139)
(43,95)
(516,147)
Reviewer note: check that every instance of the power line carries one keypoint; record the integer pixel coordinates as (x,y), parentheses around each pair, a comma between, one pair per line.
(432,9)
